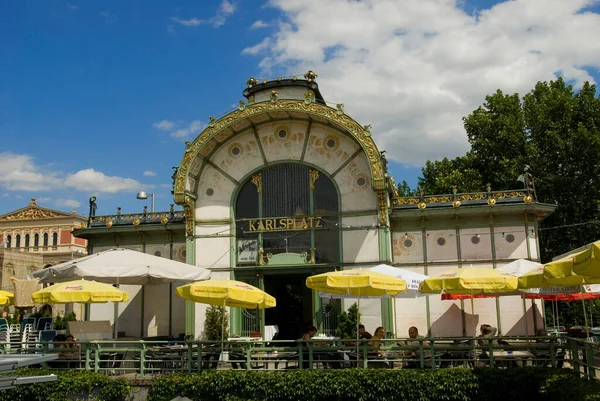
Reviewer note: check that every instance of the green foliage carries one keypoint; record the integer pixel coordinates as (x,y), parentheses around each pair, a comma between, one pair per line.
(61,322)
(216,324)
(70,384)
(348,321)
(481,384)
(405,190)
(553,129)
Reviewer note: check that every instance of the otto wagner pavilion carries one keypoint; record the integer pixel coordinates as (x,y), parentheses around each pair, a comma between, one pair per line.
(286,186)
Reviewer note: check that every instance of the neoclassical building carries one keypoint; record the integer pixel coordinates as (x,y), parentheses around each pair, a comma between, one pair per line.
(285,187)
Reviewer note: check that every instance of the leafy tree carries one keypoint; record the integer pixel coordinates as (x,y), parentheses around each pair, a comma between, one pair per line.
(404,189)
(552,129)
(348,322)
(216,323)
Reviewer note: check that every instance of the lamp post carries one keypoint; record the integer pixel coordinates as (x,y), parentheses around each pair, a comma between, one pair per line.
(76,252)
(143,195)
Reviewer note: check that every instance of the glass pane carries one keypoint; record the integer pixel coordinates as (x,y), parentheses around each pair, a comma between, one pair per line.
(286,191)
(286,242)
(326,198)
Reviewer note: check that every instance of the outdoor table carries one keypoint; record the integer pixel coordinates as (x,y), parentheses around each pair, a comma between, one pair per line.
(518,357)
(272,357)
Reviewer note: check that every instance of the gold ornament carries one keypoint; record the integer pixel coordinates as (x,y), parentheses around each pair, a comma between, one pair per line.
(456,204)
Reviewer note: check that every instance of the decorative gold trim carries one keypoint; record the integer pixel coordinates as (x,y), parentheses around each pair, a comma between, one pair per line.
(313,259)
(259,258)
(164,220)
(341,121)
(257,180)
(189,207)
(382,200)
(136,222)
(314,175)
(456,204)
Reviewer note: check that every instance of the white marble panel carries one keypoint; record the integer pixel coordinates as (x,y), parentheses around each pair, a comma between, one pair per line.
(476,244)
(238,156)
(329,148)
(514,314)
(360,221)
(510,243)
(156,310)
(533,244)
(360,246)
(213,252)
(441,246)
(214,195)
(282,140)
(354,183)
(407,247)
(223,230)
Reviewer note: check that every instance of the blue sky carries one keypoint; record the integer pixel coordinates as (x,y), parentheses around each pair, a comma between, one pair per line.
(84,86)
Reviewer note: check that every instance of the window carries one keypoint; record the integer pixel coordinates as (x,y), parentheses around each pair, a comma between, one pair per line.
(26,240)
(8,241)
(18,244)
(54,239)
(45,239)
(36,240)
(289,206)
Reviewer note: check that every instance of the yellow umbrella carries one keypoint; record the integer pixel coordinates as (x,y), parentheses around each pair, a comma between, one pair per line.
(81,291)
(584,263)
(470,280)
(226,293)
(359,283)
(536,279)
(6,298)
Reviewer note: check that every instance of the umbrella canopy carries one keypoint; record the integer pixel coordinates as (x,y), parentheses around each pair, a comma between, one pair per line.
(470,280)
(122,266)
(6,298)
(584,292)
(81,291)
(584,263)
(357,283)
(228,293)
(535,279)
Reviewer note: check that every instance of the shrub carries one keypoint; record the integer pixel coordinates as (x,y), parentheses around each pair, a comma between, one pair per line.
(216,323)
(348,322)
(377,385)
(69,384)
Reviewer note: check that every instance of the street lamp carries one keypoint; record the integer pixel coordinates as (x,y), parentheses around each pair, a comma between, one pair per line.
(143,195)
(76,252)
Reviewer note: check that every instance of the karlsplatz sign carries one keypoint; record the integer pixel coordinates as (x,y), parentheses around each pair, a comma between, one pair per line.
(281,224)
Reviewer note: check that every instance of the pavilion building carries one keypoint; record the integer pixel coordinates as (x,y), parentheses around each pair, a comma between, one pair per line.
(285,187)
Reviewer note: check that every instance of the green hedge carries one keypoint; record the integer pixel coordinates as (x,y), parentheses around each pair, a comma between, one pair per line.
(378,385)
(70,385)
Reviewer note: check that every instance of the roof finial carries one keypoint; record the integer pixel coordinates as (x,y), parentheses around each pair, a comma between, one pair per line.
(32,202)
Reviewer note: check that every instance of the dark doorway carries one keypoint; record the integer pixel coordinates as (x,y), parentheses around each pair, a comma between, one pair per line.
(293,313)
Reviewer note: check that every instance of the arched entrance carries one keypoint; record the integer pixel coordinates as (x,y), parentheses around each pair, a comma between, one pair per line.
(287,228)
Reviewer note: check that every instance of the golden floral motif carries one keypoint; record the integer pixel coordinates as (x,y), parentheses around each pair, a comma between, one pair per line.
(314,175)
(403,244)
(491,202)
(527,199)
(189,208)
(109,223)
(235,149)
(422,205)
(164,220)
(342,121)
(257,180)
(456,204)
(33,213)
(136,222)
(382,202)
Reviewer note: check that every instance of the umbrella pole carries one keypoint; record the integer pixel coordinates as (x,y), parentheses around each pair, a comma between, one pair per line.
(525,316)
(587,328)
(116,316)
(394,320)
(357,334)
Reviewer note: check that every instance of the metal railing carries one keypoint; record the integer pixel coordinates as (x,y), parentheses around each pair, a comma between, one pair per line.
(143,358)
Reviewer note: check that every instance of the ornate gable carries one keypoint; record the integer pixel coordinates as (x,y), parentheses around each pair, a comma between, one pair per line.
(33,212)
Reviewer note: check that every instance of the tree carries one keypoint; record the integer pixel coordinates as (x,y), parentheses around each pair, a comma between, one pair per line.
(348,322)
(216,323)
(552,129)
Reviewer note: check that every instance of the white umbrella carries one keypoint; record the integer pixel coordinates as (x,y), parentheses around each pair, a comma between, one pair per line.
(122,266)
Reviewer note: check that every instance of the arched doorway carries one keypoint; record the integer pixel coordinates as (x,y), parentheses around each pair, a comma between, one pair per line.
(287,228)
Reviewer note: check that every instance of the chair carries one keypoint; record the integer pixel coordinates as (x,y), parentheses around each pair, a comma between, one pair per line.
(4,327)
(47,336)
(44,323)
(27,321)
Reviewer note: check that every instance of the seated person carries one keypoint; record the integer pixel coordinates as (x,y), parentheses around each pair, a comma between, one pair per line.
(362,333)
(413,333)
(310,333)
(379,335)
(487,331)
(542,356)
(69,343)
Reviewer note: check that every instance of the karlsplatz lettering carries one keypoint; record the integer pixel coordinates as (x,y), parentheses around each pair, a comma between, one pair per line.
(305,223)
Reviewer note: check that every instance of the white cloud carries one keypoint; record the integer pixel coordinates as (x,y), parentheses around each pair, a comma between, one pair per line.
(414,69)
(20,173)
(149,173)
(188,22)
(183,133)
(225,10)
(165,185)
(259,24)
(94,181)
(72,203)
(164,125)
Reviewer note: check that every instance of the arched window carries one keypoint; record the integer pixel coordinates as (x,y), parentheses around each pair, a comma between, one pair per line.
(54,239)
(18,244)
(26,240)
(45,239)
(297,209)
(36,240)
(8,241)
